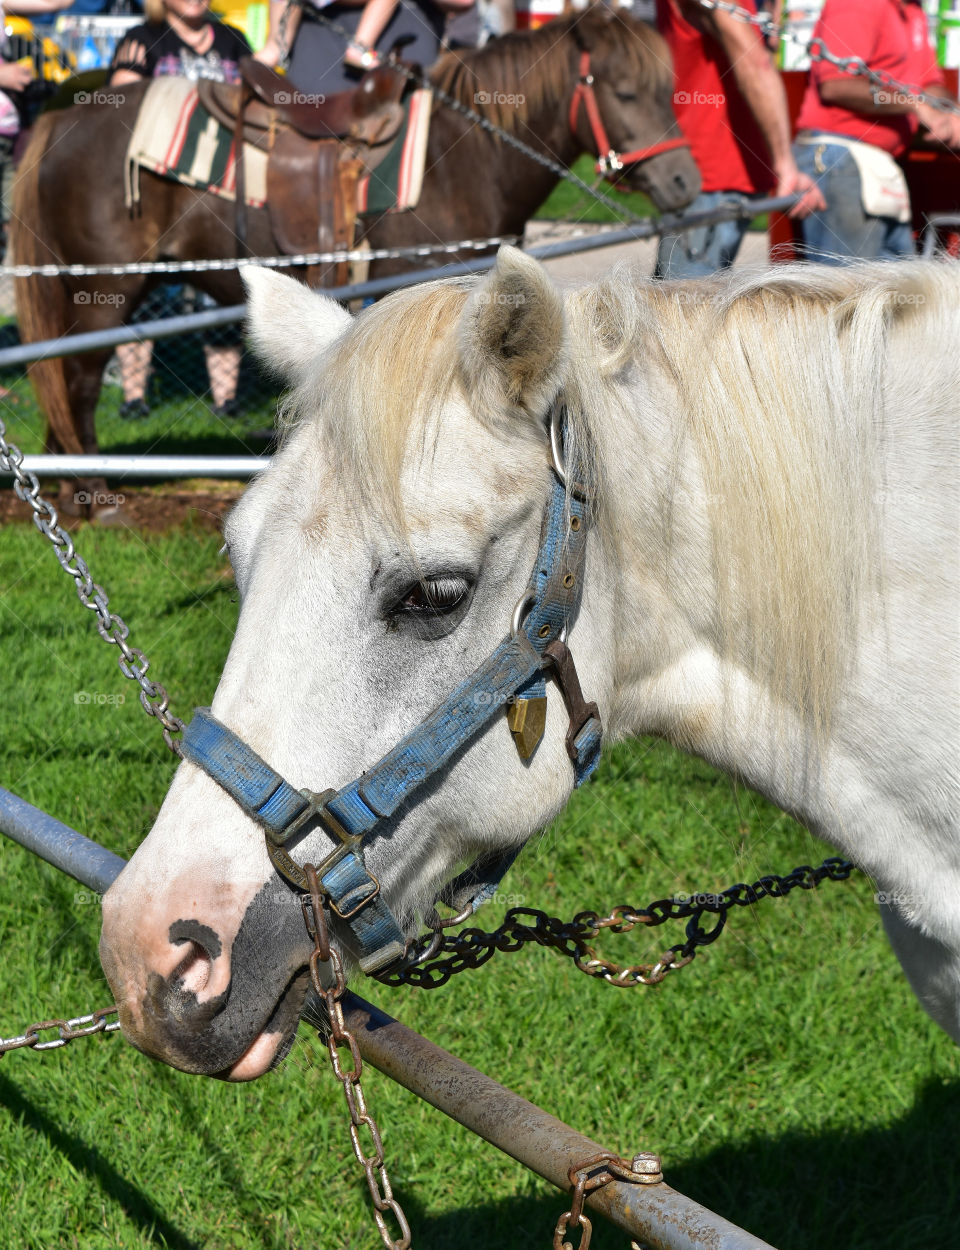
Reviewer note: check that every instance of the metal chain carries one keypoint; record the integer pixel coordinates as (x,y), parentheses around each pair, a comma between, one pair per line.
(67,1031)
(471,948)
(595,1173)
(132,662)
(818,50)
(270,262)
(340,1038)
(420,79)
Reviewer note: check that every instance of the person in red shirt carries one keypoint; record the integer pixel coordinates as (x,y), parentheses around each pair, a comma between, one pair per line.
(850,131)
(730,104)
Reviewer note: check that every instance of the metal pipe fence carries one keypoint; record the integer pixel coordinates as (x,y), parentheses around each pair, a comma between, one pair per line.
(169,327)
(656,1215)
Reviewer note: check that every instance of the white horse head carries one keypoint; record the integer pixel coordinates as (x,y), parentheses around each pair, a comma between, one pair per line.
(751,591)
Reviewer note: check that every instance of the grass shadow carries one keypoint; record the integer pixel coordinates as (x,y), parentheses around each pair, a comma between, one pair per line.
(836,1190)
(88,1160)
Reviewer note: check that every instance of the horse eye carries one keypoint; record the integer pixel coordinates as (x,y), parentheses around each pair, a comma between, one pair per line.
(435,595)
(626,96)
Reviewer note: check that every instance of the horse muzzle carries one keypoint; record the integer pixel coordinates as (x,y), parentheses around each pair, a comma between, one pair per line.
(202,1004)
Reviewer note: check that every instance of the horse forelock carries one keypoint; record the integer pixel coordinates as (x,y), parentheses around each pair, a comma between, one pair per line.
(515,77)
(782,404)
(377,393)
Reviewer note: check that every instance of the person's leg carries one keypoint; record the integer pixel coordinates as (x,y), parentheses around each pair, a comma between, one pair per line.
(843,230)
(134,360)
(700,252)
(223,370)
(898,240)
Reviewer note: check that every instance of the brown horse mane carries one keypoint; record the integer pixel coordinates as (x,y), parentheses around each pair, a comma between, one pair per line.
(519,77)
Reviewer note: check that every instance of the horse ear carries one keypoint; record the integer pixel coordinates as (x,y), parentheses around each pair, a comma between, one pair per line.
(594,19)
(288,322)
(512,337)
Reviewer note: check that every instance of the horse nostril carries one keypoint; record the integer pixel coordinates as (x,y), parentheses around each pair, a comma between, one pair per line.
(193,971)
(202,945)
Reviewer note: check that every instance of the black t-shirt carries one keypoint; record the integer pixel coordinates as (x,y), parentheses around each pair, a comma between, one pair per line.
(164,53)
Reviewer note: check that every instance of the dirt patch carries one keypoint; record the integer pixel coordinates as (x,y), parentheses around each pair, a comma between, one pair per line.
(202,502)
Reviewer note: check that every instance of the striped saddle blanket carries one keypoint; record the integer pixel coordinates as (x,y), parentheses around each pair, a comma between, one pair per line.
(175,137)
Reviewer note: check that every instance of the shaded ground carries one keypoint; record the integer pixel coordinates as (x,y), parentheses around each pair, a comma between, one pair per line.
(157,508)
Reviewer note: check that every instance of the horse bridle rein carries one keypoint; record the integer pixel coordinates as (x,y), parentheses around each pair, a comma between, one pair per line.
(609,161)
(512,676)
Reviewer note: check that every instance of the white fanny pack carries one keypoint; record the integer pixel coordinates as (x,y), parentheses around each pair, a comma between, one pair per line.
(883,188)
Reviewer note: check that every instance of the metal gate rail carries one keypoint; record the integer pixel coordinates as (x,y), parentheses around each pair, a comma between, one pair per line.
(656,1215)
(168,327)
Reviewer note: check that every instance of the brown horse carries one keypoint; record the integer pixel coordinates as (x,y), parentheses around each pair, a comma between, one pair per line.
(69,205)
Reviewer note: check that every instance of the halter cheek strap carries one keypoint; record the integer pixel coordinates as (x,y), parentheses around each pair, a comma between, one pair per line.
(356,813)
(609,162)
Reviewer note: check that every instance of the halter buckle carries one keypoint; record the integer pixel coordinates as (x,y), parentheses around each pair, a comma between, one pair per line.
(609,164)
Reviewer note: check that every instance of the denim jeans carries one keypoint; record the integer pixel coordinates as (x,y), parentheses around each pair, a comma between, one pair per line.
(698,253)
(844,231)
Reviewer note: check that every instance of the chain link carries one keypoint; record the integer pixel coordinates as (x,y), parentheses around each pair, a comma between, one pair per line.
(132,662)
(67,1031)
(818,50)
(339,1038)
(471,948)
(594,1173)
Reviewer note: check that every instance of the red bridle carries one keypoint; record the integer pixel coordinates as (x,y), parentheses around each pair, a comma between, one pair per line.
(609,162)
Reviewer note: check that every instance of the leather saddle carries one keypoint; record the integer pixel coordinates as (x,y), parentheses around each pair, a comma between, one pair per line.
(370,114)
(317,151)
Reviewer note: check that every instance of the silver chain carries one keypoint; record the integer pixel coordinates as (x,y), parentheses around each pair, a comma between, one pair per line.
(269,262)
(67,1031)
(854,65)
(132,662)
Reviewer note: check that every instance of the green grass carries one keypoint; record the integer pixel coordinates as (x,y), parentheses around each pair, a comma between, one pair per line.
(567,202)
(181,421)
(787,1078)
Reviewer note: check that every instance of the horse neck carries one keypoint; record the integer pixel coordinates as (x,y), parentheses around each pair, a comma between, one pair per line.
(684,647)
(521,183)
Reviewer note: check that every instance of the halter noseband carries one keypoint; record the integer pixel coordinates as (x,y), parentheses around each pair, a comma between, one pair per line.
(512,675)
(609,162)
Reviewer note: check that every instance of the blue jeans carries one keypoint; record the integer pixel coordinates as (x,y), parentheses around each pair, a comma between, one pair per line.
(844,231)
(700,252)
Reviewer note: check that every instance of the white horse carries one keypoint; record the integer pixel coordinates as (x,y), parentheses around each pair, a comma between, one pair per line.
(770,582)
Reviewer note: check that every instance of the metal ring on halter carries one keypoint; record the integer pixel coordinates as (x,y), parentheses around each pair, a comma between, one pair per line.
(524,604)
(577,489)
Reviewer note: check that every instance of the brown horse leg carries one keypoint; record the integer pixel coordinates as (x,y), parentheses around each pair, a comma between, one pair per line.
(85,496)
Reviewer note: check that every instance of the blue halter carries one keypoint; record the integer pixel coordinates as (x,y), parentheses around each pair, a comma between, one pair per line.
(354,814)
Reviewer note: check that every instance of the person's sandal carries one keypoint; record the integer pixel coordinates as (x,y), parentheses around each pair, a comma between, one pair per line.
(359,56)
(134,410)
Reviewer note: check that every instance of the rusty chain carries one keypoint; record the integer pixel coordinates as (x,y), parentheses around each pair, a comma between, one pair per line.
(472,947)
(67,1031)
(340,1038)
(594,1173)
(132,662)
